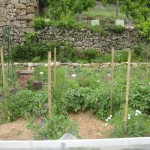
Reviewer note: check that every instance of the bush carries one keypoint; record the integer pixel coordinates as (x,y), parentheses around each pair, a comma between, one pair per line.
(90,54)
(25,103)
(115,28)
(40,23)
(138,124)
(140,97)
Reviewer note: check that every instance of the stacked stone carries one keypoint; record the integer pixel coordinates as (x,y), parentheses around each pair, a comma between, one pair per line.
(18,14)
(85,39)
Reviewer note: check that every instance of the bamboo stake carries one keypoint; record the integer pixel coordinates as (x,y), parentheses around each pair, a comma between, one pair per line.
(4,81)
(3,71)
(127,90)
(49,84)
(112,78)
(54,69)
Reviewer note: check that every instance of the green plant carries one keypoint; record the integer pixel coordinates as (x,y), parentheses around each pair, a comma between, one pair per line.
(54,128)
(90,54)
(138,124)
(25,103)
(140,97)
(115,28)
(97,29)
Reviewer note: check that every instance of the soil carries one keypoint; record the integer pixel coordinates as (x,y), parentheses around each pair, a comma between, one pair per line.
(90,127)
(15,131)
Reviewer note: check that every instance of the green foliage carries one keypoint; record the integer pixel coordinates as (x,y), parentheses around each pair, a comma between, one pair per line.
(25,103)
(97,29)
(138,124)
(40,22)
(54,128)
(141,15)
(90,54)
(115,28)
(140,97)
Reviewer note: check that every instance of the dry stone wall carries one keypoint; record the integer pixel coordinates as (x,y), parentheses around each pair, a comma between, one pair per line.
(17,14)
(85,39)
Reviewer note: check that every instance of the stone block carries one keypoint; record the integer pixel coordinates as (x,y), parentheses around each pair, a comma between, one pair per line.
(20,6)
(30,10)
(94,22)
(32,4)
(14,1)
(23,1)
(120,22)
(22,12)
(27,17)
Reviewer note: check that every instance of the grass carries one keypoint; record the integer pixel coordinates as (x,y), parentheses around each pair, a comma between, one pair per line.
(103,13)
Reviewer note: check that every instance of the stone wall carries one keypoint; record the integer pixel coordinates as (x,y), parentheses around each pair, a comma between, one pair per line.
(17,14)
(85,39)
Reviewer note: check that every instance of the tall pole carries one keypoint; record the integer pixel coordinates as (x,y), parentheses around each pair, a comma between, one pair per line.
(3,70)
(49,84)
(127,90)
(54,69)
(117,9)
(112,78)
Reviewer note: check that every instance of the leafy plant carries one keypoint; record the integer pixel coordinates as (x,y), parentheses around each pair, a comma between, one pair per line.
(115,28)
(140,97)
(137,126)
(54,128)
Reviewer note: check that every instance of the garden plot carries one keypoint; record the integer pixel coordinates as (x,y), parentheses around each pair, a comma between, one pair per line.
(79,89)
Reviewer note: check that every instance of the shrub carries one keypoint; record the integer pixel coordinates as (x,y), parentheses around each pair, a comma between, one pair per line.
(90,54)
(25,103)
(140,97)
(40,22)
(138,124)
(115,28)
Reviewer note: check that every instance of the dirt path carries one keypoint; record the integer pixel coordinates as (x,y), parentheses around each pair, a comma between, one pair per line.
(90,127)
(15,131)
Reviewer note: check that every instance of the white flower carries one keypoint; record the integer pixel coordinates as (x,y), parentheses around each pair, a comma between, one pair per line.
(137,112)
(129,117)
(41,72)
(107,120)
(98,81)
(74,75)
(110,116)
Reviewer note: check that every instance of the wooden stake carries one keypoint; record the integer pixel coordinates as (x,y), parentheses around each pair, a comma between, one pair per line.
(54,69)
(3,70)
(49,84)
(127,90)
(112,78)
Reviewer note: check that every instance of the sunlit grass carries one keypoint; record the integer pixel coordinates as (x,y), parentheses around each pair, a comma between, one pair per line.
(104,12)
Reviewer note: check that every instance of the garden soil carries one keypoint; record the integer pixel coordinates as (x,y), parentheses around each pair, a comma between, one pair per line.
(15,131)
(88,125)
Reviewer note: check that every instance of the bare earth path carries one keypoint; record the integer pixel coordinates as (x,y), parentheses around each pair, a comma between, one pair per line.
(15,131)
(90,127)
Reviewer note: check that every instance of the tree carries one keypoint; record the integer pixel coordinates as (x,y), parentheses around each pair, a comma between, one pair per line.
(139,10)
(59,7)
